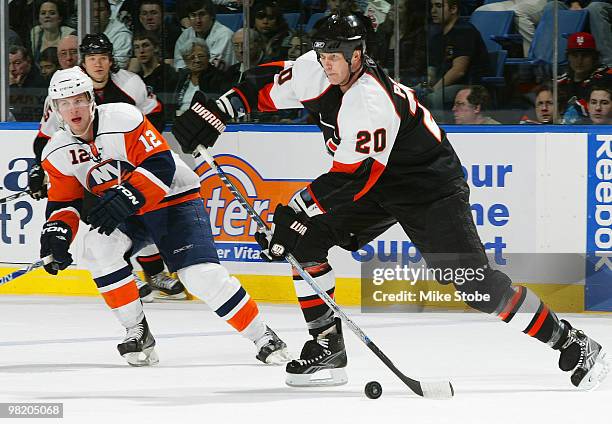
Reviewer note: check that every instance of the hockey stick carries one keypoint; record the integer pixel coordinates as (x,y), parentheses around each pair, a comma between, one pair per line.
(14,196)
(34,265)
(431,390)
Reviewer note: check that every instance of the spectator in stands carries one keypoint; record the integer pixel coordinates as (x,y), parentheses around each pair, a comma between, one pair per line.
(298,43)
(48,63)
(267,19)
(150,16)
(22,73)
(470,106)
(68,52)
(543,108)
(600,105)
(584,71)
(204,26)
(600,22)
(23,16)
(527,14)
(235,72)
(156,74)
(118,34)
(199,75)
(27,86)
(457,54)
(413,41)
(50,29)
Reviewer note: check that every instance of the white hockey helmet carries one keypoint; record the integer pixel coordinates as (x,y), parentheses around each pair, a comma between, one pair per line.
(70,82)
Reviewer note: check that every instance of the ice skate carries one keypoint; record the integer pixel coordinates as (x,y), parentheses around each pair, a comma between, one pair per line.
(322,362)
(585,357)
(167,287)
(138,347)
(144,290)
(272,350)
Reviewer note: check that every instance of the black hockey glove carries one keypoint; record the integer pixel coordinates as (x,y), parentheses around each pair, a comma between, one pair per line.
(288,228)
(119,202)
(36,182)
(201,124)
(55,239)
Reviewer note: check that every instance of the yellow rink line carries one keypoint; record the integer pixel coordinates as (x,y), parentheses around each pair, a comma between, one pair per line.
(273,289)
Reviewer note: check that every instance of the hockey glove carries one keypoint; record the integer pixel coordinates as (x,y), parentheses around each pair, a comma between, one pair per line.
(55,239)
(118,203)
(201,124)
(288,228)
(36,182)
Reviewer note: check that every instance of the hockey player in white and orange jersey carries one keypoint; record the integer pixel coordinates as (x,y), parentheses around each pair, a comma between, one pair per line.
(111,85)
(145,191)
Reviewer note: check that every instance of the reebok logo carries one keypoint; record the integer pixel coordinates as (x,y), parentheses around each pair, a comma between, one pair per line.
(277,250)
(209,117)
(298,227)
(182,249)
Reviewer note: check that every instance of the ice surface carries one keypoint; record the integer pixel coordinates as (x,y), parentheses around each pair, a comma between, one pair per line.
(55,349)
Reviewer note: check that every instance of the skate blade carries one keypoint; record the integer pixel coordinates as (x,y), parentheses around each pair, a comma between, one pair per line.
(145,358)
(597,374)
(323,378)
(160,295)
(279,357)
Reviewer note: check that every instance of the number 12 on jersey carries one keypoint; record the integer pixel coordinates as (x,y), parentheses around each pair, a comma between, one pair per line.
(150,142)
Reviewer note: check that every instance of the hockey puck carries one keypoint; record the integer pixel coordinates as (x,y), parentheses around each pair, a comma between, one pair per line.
(373,390)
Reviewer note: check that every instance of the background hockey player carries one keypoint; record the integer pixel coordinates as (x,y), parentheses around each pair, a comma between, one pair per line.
(391,164)
(156,197)
(112,85)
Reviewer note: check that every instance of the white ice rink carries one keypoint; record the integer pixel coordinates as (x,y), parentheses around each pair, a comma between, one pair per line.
(63,350)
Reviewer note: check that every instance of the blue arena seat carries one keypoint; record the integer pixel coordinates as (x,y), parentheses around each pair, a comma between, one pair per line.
(492,24)
(314,18)
(231,20)
(292,19)
(541,49)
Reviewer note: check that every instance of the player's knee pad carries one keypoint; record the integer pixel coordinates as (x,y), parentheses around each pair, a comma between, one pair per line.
(495,285)
(210,282)
(103,254)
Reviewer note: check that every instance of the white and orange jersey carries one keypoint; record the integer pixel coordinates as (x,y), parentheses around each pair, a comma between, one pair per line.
(126,147)
(379,135)
(123,86)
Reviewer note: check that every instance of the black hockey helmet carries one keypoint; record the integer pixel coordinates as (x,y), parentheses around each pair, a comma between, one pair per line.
(96,44)
(341,33)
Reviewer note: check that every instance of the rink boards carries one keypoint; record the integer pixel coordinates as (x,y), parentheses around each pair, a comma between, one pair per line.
(541,198)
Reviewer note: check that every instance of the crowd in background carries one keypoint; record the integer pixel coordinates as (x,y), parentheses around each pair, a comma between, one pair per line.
(178,47)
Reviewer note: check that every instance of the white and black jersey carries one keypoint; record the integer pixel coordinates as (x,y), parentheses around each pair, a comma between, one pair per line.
(122,87)
(379,135)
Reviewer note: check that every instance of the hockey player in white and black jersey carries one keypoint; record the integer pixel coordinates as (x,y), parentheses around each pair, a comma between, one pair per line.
(111,85)
(391,164)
